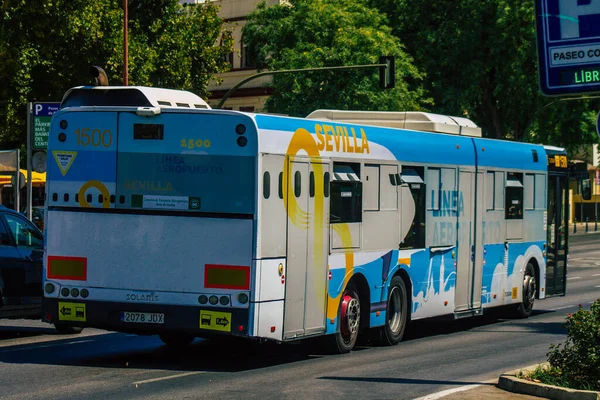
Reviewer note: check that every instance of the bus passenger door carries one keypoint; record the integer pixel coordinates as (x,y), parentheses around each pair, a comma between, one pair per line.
(469,262)
(307,250)
(556,272)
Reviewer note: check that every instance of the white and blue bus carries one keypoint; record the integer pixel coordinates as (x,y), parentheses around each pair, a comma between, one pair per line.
(167,217)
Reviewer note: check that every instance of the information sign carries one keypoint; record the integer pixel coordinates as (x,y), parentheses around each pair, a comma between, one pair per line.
(42,114)
(568,33)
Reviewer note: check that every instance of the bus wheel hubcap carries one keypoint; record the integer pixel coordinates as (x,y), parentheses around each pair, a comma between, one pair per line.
(350,316)
(395,310)
(529,289)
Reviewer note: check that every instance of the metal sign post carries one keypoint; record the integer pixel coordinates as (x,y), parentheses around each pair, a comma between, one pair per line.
(29,183)
(568,45)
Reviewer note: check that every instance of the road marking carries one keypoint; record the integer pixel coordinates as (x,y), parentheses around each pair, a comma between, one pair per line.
(444,393)
(596,275)
(597,286)
(574,277)
(561,308)
(434,396)
(164,378)
(44,346)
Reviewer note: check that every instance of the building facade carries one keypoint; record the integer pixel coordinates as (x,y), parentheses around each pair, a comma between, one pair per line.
(582,210)
(252,95)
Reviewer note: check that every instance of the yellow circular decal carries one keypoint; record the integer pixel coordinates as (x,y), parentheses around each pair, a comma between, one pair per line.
(103,191)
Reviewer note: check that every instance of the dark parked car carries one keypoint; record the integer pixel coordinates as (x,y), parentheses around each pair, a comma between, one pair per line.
(21,257)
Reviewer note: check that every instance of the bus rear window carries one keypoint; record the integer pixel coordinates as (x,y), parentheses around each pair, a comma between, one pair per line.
(148,131)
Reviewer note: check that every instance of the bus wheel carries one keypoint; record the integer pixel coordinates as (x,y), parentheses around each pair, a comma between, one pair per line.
(176,340)
(67,330)
(529,288)
(349,321)
(396,313)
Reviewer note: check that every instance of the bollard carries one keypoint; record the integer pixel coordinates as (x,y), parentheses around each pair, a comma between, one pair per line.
(586,224)
(575,226)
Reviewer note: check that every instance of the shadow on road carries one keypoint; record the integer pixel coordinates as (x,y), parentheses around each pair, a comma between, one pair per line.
(15,332)
(406,381)
(116,350)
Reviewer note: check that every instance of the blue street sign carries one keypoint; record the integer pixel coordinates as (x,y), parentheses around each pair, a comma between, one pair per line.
(42,114)
(568,33)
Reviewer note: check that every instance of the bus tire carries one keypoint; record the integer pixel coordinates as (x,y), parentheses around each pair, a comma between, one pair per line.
(348,320)
(529,289)
(396,312)
(67,330)
(176,340)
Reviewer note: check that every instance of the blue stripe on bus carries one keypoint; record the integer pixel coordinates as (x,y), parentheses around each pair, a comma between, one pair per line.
(87,166)
(409,146)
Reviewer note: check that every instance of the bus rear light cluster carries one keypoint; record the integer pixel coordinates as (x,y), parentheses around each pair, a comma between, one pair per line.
(240,130)
(214,300)
(73,292)
(223,300)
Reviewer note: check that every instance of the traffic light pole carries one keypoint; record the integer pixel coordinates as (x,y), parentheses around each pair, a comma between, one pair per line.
(384,67)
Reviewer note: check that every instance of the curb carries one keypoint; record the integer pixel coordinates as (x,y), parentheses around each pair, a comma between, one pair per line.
(508,381)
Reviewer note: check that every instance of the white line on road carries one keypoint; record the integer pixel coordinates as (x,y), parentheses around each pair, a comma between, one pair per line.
(25,348)
(164,378)
(443,393)
(561,308)
(574,277)
(595,274)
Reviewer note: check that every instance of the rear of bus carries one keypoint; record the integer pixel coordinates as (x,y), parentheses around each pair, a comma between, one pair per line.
(150,213)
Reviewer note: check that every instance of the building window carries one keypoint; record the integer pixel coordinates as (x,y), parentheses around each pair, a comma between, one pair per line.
(248,56)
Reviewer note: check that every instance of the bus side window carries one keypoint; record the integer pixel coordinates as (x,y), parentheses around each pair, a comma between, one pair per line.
(513,206)
(413,177)
(266,185)
(346,194)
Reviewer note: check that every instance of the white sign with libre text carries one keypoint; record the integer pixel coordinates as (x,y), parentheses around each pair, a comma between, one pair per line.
(166,202)
(575,55)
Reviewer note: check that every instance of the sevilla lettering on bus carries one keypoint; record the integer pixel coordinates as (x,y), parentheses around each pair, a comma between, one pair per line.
(155,186)
(336,138)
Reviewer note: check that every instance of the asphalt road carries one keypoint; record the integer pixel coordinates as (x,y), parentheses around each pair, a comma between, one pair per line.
(37,363)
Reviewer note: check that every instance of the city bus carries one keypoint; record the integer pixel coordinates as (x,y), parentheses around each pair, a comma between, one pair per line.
(165,216)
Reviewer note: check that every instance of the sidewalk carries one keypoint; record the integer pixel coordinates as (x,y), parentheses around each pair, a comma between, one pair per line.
(488,391)
(591,228)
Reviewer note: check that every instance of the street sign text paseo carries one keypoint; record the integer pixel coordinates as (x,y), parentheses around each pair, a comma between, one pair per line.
(42,114)
(568,33)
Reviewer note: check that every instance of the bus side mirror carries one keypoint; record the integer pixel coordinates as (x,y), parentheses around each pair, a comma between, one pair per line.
(586,189)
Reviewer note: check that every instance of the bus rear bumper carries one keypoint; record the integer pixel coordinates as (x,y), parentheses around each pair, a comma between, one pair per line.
(132,317)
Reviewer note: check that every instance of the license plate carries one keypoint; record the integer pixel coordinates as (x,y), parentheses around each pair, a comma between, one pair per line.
(142,317)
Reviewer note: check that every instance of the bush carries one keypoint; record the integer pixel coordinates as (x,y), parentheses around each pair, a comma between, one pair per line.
(577,360)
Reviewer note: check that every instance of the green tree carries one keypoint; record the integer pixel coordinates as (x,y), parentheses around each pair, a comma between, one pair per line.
(327,33)
(481,62)
(46,47)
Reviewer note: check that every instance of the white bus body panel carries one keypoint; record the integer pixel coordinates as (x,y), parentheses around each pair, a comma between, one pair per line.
(148,252)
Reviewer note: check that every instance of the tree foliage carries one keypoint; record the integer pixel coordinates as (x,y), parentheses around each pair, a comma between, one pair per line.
(327,33)
(46,47)
(481,62)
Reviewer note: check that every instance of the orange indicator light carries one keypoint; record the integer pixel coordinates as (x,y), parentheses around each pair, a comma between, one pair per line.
(71,268)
